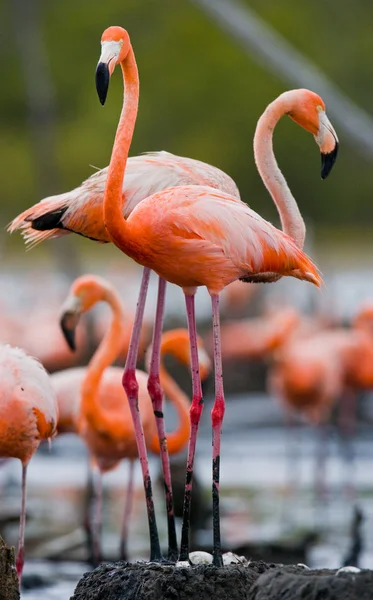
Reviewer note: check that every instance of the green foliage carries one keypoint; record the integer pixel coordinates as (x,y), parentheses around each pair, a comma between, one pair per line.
(200,96)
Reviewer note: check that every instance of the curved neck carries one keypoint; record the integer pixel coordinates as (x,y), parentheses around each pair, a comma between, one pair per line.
(176,440)
(291,219)
(112,208)
(105,355)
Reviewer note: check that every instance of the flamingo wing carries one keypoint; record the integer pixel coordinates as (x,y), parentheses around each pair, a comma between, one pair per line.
(207,230)
(80,210)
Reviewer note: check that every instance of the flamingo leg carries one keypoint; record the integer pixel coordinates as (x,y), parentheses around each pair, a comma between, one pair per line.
(22,522)
(131,388)
(195,416)
(97,515)
(156,395)
(87,520)
(127,511)
(217,415)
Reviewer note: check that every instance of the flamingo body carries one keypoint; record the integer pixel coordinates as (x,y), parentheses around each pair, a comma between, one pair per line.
(198,236)
(81,210)
(28,407)
(307,376)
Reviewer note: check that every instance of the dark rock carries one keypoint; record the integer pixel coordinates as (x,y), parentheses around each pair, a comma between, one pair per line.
(9,587)
(255,581)
(294,583)
(144,581)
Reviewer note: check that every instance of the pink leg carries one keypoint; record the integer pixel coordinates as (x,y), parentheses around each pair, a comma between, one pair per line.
(22,522)
(97,515)
(131,388)
(156,395)
(195,416)
(217,415)
(127,510)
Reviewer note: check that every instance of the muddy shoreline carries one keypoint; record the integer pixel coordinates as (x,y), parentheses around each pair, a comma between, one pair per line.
(256,580)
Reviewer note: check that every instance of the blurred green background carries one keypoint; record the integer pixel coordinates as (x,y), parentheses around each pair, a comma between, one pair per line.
(201,96)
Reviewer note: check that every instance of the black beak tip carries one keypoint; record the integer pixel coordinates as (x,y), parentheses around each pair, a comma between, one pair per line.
(102,81)
(328,160)
(68,331)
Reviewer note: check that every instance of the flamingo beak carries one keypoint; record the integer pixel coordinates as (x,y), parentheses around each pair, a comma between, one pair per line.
(102,81)
(105,68)
(327,161)
(328,143)
(69,320)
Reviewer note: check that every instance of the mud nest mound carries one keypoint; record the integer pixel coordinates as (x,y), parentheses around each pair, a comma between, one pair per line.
(254,581)
(148,581)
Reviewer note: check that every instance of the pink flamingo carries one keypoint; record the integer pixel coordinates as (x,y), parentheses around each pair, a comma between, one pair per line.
(28,415)
(197,235)
(81,211)
(311,373)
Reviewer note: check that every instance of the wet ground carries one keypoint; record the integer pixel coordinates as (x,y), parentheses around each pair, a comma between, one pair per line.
(263,500)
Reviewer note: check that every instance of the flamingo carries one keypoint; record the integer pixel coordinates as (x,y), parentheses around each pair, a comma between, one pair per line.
(92,400)
(81,211)
(196,235)
(309,374)
(28,415)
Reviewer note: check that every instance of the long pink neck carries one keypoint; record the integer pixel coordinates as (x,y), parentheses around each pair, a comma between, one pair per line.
(291,219)
(104,356)
(113,215)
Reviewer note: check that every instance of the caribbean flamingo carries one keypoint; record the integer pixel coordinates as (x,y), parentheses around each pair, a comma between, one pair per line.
(92,400)
(195,235)
(28,415)
(81,211)
(310,374)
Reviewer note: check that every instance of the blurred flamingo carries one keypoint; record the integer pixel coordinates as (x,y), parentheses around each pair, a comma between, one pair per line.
(195,235)
(311,374)
(28,415)
(92,400)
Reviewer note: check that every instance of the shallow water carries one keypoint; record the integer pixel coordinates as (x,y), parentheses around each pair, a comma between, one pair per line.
(258,502)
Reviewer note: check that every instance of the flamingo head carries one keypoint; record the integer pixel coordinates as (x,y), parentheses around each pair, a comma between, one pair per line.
(308,110)
(115,44)
(85,292)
